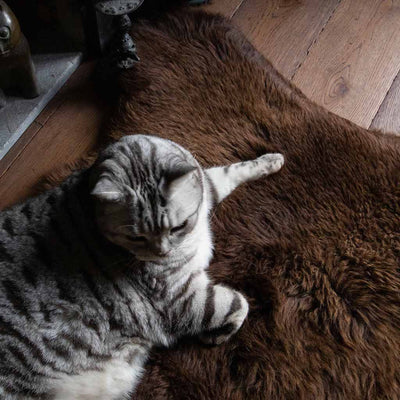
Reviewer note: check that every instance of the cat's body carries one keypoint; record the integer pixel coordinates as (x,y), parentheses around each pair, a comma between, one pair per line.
(78,314)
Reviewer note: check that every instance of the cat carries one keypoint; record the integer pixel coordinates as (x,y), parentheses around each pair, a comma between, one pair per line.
(96,271)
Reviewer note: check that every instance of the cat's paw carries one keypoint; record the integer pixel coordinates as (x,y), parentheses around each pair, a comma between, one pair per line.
(271,163)
(231,324)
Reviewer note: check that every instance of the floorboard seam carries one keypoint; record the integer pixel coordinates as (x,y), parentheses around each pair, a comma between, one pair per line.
(237,9)
(315,40)
(57,107)
(19,154)
(386,95)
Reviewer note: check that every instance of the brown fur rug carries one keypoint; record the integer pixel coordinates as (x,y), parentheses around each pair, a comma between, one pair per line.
(315,248)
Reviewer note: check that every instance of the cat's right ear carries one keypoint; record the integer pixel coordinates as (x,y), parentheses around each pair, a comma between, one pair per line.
(106,190)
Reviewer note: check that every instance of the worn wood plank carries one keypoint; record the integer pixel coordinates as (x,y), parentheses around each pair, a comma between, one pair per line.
(76,80)
(284,30)
(388,117)
(70,132)
(353,53)
(224,7)
(18,147)
(350,68)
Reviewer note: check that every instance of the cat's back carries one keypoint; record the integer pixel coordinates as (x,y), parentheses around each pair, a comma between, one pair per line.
(26,228)
(57,291)
(45,242)
(20,228)
(32,248)
(26,285)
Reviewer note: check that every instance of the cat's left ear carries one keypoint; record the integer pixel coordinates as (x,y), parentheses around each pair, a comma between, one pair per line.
(106,190)
(184,191)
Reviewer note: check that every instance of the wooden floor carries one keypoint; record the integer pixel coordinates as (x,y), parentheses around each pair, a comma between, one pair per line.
(343,54)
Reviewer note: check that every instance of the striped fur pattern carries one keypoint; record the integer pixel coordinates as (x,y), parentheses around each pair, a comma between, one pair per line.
(112,262)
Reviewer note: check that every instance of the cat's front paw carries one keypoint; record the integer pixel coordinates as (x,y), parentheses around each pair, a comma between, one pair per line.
(230,324)
(271,162)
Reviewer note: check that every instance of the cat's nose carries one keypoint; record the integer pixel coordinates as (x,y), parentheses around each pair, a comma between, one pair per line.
(162,248)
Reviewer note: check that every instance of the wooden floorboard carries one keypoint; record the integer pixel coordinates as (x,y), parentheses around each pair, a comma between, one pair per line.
(282,30)
(223,7)
(18,148)
(70,131)
(344,54)
(388,117)
(353,63)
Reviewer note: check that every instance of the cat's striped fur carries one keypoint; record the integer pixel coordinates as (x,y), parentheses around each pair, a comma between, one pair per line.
(79,313)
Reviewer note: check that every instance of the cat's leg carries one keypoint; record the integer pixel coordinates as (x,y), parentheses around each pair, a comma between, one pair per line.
(201,308)
(213,312)
(225,310)
(224,180)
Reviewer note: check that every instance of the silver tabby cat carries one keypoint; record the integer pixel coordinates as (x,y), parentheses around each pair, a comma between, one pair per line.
(78,312)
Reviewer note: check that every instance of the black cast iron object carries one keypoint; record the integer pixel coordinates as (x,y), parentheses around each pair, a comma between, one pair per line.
(16,68)
(123,53)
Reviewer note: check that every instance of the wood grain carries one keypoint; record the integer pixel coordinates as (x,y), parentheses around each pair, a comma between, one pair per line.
(224,7)
(346,54)
(15,151)
(284,30)
(70,132)
(80,78)
(388,117)
(351,67)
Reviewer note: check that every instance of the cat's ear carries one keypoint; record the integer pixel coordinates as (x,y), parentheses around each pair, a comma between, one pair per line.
(185,188)
(106,190)
(179,172)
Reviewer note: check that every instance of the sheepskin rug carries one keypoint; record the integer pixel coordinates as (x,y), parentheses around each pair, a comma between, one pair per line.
(314,248)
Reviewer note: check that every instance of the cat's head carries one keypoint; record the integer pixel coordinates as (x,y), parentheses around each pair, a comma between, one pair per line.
(149,196)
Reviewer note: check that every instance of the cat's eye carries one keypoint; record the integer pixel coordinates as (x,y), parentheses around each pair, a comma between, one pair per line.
(179,227)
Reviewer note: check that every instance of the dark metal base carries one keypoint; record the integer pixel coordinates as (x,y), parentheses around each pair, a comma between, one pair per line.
(121,50)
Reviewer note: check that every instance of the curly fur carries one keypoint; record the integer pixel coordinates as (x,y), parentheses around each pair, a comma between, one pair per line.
(316,251)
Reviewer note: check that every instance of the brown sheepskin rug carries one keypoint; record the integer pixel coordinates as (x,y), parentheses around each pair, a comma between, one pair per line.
(315,248)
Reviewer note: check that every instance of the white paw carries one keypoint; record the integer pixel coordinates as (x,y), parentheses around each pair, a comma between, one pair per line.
(271,162)
(240,315)
(230,326)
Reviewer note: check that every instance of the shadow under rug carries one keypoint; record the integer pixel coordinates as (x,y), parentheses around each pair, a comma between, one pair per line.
(315,248)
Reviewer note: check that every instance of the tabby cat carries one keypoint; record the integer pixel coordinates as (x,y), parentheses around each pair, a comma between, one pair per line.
(96,271)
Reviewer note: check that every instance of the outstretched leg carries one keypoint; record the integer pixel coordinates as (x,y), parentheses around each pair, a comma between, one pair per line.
(224,180)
